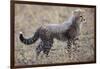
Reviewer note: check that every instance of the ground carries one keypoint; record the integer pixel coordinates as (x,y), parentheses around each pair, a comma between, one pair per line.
(29,17)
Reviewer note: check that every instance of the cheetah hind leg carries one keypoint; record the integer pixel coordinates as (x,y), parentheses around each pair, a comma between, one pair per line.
(38,50)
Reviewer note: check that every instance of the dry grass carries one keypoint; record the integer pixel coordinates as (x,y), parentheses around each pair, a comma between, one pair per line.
(29,17)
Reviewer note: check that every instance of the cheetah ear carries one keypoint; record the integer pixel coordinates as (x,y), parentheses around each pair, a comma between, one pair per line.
(74,12)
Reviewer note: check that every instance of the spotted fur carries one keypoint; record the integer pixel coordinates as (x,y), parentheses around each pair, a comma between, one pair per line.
(67,31)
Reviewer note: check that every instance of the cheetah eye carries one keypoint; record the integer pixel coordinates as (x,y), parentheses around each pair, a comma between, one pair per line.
(80,16)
